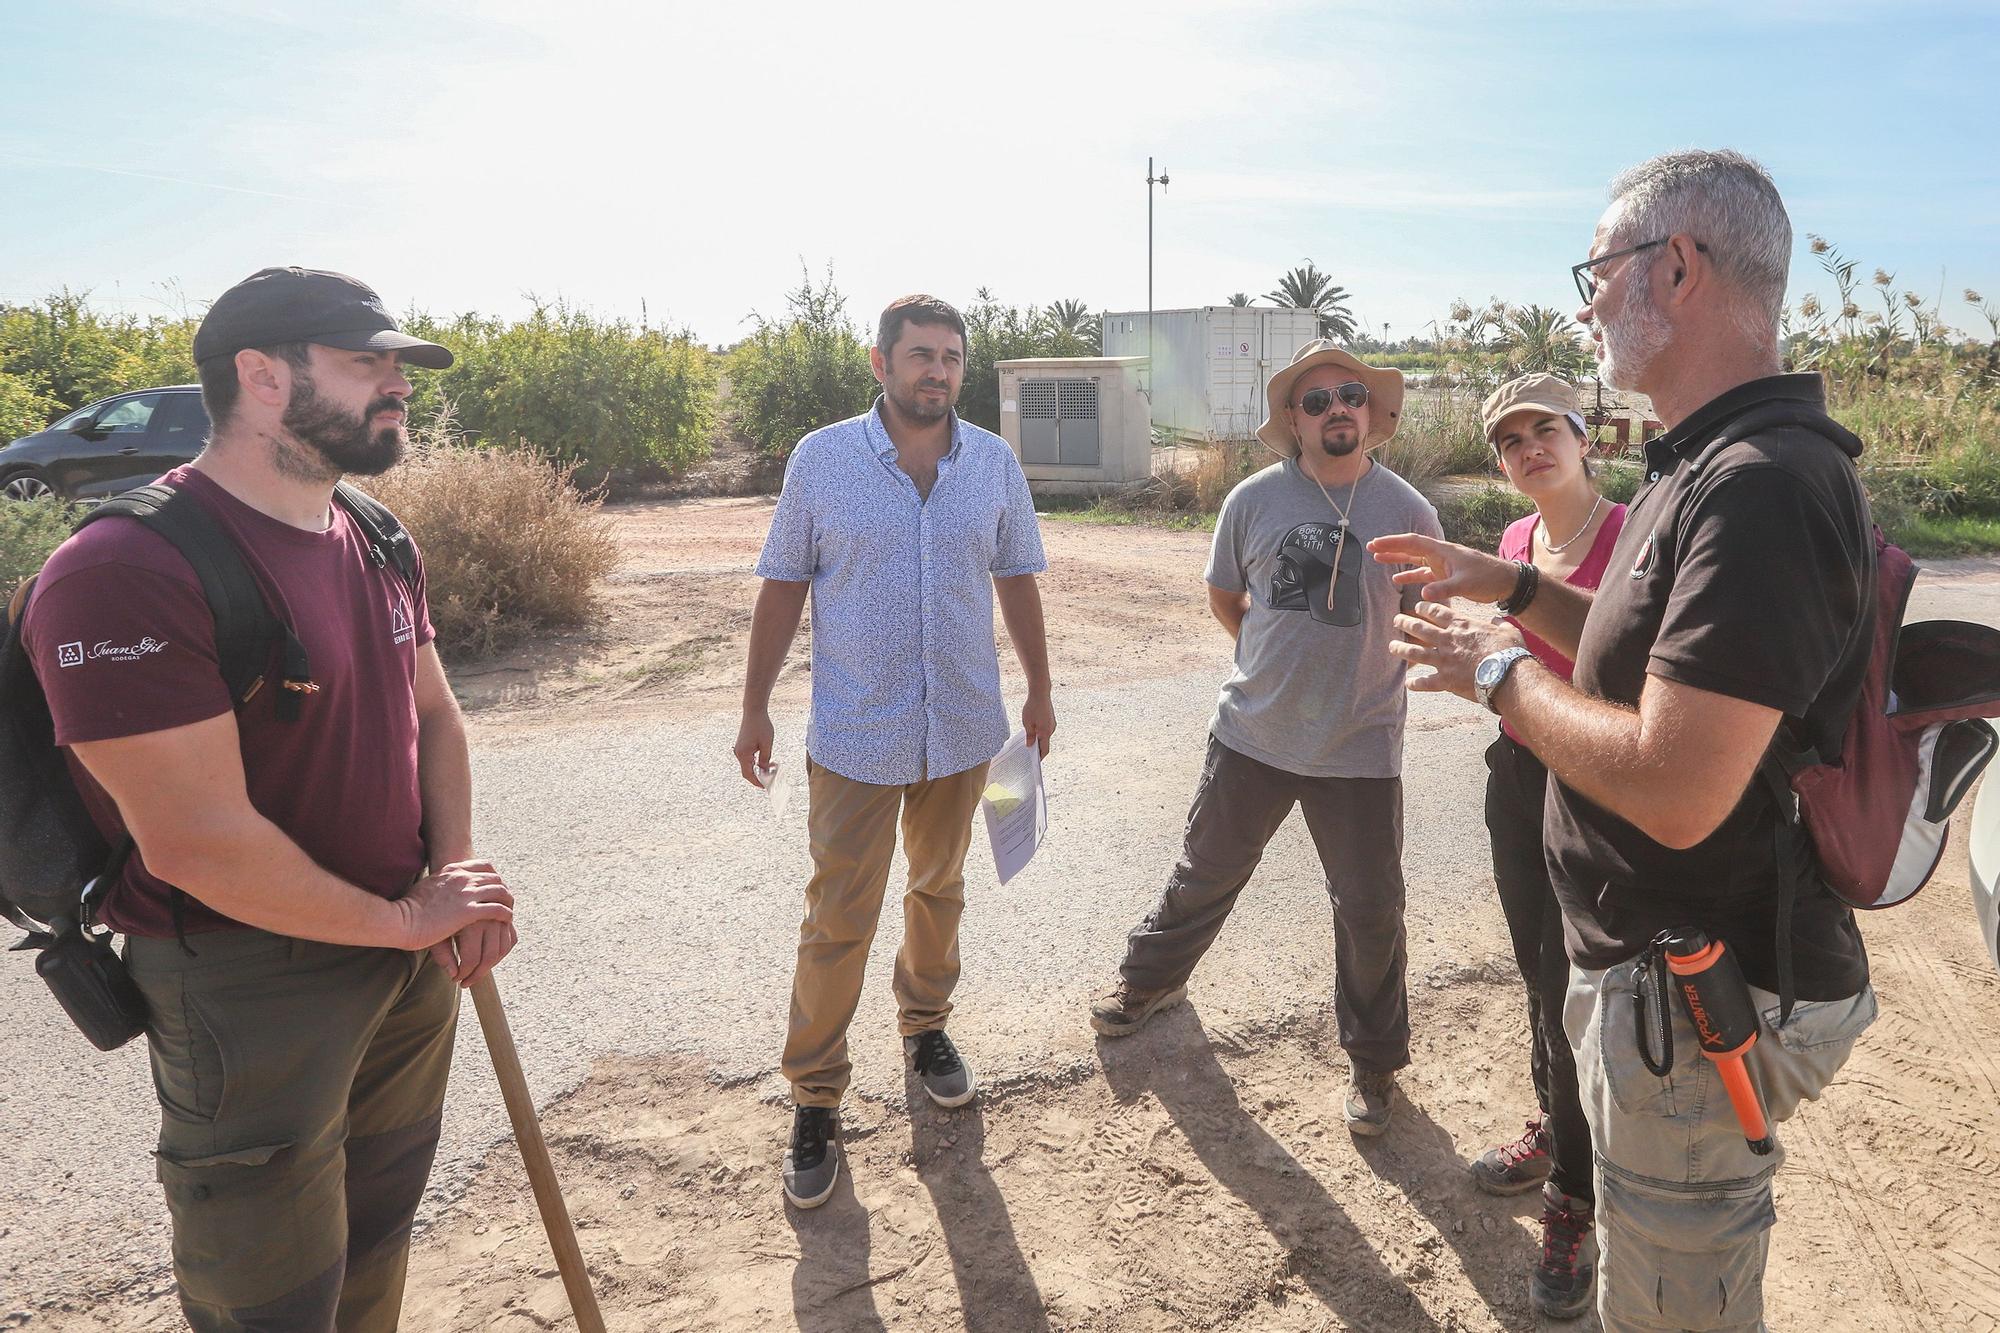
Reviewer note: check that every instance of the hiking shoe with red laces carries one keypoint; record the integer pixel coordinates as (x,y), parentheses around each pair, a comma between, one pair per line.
(1517,1167)
(1560,1286)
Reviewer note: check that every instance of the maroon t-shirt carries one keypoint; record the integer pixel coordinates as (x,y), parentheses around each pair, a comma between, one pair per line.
(124,643)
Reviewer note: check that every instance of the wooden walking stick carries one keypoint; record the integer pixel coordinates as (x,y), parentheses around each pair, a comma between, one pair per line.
(535,1153)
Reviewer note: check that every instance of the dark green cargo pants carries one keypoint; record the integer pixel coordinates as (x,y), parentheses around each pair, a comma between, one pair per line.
(301,1089)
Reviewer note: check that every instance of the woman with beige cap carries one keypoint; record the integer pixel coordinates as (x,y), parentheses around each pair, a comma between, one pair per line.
(1538,437)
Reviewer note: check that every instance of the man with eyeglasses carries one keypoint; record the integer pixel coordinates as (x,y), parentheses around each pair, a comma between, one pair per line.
(1312,715)
(1742,617)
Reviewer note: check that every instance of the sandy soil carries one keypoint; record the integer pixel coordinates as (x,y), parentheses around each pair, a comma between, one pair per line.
(1195,1176)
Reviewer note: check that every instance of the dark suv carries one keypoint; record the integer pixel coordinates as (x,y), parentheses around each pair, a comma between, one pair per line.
(95,452)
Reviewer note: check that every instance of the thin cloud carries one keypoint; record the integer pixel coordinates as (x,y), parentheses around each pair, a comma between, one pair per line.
(151,176)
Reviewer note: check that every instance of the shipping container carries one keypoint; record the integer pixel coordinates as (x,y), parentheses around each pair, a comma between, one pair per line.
(1210,365)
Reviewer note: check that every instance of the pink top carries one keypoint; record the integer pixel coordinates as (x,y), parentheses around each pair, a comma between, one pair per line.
(1516,544)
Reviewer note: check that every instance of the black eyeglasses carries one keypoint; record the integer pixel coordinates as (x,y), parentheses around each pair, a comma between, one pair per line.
(1587,281)
(1315,401)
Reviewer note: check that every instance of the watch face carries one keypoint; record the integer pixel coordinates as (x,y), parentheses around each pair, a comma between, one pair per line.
(1489,671)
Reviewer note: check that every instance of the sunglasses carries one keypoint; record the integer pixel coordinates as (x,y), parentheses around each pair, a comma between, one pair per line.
(1316,401)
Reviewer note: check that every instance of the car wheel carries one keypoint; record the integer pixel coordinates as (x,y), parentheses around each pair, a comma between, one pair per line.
(27,486)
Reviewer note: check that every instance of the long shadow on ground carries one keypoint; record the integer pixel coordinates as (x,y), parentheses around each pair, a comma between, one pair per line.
(1173,1061)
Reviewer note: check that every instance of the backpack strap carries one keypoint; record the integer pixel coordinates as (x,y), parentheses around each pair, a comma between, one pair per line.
(388,541)
(245,627)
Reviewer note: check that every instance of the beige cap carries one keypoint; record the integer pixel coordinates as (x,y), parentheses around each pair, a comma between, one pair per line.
(1385,396)
(1530,393)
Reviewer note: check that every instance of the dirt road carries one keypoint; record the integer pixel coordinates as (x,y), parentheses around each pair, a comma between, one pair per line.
(1195,1176)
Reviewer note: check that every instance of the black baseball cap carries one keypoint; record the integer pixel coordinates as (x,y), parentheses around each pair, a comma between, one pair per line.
(308,305)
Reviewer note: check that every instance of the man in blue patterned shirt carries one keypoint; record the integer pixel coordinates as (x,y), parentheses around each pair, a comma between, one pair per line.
(904,523)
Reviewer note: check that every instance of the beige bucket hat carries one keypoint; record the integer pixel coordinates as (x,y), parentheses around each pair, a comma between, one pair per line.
(1385,396)
(1529,393)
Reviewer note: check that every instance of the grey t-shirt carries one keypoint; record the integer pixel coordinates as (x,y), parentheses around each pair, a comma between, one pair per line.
(1315,690)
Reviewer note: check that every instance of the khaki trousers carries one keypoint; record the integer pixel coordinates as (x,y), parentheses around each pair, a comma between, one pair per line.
(301,1091)
(852,826)
(1684,1208)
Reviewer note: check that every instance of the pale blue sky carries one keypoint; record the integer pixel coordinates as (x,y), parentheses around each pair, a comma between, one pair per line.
(459,155)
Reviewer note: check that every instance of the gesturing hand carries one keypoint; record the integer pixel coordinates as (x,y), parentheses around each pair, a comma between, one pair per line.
(1450,644)
(1444,570)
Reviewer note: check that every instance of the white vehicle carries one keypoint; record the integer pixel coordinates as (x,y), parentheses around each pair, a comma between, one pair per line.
(1985,854)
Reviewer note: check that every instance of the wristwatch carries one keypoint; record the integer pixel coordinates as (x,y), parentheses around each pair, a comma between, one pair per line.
(1492,672)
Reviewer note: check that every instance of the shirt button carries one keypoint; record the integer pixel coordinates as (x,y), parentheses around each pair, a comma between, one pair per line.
(1652,476)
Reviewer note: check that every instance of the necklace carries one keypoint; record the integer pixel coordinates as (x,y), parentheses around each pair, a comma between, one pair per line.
(1340,542)
(1554,549)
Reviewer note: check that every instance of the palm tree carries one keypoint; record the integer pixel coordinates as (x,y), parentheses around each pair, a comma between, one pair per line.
(1072,329)
(1537,338)
(1306,288)
(1239,298)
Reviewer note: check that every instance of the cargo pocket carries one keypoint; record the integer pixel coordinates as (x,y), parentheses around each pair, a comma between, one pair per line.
(1683,1256)
(1806,1053)
(1636,1089)
(232,1214)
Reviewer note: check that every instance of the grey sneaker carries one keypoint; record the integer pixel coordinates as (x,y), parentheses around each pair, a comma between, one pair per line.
(1371,1099)
(939,1068)
(1122,1010)
(812,1163)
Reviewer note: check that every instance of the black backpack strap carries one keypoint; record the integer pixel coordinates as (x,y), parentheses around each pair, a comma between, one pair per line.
(388,541)
(245,627)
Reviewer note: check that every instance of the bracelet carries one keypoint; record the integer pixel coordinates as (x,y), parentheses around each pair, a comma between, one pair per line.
(1527,581)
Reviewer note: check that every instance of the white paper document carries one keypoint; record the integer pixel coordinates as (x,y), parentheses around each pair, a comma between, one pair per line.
(1016,805)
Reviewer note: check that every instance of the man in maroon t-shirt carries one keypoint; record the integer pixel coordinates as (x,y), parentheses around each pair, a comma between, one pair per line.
(302,893)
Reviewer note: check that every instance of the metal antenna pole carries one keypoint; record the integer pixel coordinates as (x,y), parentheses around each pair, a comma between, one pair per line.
(1151,181)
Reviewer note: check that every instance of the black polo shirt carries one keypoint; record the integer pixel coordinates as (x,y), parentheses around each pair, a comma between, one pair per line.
(1744,571)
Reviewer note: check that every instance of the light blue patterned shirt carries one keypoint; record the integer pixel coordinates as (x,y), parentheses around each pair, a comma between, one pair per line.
(905,678)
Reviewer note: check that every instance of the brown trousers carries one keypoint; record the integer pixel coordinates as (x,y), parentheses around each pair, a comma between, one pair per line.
(852,826)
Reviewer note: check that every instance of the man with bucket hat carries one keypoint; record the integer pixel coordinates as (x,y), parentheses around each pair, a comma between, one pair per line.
(1312,716)
(301,892)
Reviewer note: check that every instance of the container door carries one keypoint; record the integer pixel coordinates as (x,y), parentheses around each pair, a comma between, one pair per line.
(1077,411)
(1038,421)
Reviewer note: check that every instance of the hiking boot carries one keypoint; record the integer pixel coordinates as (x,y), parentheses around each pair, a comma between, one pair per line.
(1517,1167)
(1371,1099)
(1560,1286)
(1122,1010)
(812,1163)
(939,1068)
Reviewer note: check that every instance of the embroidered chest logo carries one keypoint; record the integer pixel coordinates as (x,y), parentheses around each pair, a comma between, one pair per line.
(69,655)
(109,651)
(1644,564)
(399,621)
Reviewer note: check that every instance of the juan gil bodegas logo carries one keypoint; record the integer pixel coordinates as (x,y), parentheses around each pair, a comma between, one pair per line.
(400,627)
(74,654)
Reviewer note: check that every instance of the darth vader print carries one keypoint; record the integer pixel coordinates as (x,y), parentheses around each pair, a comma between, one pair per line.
(1307,580)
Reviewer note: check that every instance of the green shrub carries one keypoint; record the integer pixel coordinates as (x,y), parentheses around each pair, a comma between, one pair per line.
(1439,436)
(510,546)
(596,393)
(29,530)
(1476,516)
(789,379)
(22,410)
(67,354)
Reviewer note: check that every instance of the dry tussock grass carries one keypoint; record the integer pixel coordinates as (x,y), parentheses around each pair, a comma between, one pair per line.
(510,546)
